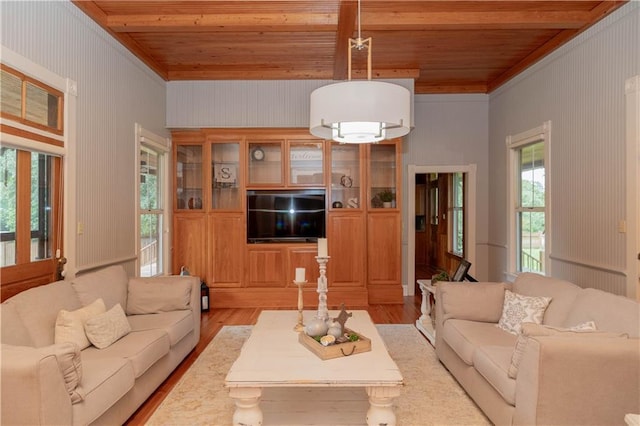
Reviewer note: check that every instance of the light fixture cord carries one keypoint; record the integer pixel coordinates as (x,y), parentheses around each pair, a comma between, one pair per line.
(359,35)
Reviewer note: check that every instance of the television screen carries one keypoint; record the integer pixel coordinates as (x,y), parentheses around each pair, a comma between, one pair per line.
(285,216)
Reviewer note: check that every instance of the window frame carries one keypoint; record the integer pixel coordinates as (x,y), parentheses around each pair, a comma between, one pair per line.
(162,147)
(515,143)
(452,209)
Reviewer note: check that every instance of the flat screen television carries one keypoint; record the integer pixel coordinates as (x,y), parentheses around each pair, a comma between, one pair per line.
(285,215)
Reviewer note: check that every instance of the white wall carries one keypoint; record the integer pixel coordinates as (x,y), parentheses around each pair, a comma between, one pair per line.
(452,130)
(115,90)
(581,89)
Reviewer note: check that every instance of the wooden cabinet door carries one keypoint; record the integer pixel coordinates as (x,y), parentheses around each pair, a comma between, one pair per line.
(384,257)
(303,257)
(189,244)
(348,249)
(227,243)
(265,266)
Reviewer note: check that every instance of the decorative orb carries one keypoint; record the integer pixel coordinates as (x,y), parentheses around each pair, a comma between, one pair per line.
(335,331)
(316,327)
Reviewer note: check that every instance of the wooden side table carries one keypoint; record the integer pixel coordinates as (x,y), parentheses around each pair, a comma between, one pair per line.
(426,321)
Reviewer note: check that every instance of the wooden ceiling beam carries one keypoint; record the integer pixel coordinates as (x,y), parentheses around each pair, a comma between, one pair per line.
(95,13)
(346,27)
(221,22)
(265,73)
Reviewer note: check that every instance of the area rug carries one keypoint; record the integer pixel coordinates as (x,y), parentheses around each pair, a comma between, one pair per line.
(430,396)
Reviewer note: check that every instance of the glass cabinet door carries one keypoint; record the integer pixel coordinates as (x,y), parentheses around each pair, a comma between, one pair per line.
(189,177)
(345,176)
(382,175)
(265,163)
(225,166)
(306,163)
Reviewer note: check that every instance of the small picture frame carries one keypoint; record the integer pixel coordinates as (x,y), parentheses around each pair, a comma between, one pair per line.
(462,270)
(224,173)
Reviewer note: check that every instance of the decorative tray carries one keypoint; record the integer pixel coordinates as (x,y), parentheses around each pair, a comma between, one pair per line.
(336,350)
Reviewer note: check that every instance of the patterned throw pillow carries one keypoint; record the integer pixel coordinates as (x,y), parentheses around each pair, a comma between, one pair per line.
(105,329)
(518,309)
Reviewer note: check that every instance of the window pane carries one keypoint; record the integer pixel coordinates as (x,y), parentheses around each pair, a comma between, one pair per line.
(42,106)
(41,221)
(149,185)
(458,221)
(532,175)
(7,206)
(531,242)
(150,252)
(457,190)
(11,89)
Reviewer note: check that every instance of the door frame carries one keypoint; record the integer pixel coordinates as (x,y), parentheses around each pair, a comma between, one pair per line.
(632,92)
(470,212)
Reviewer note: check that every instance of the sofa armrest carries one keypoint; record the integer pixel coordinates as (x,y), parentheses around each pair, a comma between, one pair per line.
(578,380)
(33,387)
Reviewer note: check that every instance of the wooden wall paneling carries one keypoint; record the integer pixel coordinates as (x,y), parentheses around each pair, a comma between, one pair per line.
(227,242)
(190,244)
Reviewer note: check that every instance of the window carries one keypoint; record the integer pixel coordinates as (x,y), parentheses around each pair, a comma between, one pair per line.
(152,190)
(528,200)
(32,107)
(27,221)
(456,214)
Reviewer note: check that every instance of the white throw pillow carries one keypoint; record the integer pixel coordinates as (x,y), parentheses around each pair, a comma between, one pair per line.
(105,329)
(518,309)
(70,324)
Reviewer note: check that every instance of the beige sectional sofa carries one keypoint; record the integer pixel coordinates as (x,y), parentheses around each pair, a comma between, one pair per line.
(566,378)
(49,381)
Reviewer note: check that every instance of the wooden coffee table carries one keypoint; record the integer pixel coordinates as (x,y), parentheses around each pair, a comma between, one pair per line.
(272,357)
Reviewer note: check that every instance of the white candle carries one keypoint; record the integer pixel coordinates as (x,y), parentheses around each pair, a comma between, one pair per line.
(300,275)
(322,247)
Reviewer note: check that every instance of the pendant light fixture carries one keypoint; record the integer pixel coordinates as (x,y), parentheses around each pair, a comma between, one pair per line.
(362,111)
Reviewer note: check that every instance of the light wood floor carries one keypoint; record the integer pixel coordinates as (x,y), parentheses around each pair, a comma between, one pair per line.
(211,322)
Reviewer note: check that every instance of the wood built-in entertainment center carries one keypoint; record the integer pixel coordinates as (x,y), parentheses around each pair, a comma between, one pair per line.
(215,172)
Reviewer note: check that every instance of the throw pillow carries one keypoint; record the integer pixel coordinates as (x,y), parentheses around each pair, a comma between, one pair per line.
(105,329)
(108,284)
(518,309)
(70,324)
(161,294)
(531,330)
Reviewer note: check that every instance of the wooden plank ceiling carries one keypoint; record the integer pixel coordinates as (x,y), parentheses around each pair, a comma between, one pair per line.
(448,46)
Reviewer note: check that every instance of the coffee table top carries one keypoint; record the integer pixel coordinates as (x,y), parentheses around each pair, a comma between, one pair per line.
(273,357)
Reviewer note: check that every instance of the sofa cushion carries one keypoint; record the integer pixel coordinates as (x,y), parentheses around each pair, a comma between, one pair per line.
(162,294)
(104,329)
(474,302)
(70,324)
(176,324)
(465,336)
(609,311)
(108,284)
(141,348)
(518,309)
(38,308)
(562,293)
(492,362)
(587,329)
(104,381)
(12,330)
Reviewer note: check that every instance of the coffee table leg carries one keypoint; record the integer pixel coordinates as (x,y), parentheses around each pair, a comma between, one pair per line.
(381,406)
(248,412)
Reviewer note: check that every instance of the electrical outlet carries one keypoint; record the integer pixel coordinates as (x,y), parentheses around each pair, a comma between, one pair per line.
(622,226)
(80,228)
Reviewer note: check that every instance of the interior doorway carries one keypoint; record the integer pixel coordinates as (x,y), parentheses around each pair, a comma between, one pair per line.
(434,217)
